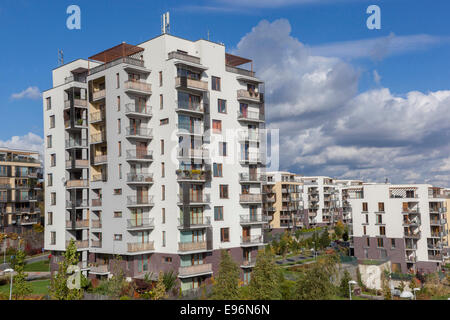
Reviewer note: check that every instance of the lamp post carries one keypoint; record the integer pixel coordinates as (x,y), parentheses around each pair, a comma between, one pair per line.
(350,284)
(11,281)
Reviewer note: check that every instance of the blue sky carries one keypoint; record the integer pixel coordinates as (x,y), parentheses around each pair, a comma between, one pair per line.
(415,60)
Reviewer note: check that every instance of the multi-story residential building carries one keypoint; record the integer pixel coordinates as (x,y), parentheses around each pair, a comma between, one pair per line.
(20,189)
(403,223)
(283,201)
(321,199)
(345,210)
(160,148)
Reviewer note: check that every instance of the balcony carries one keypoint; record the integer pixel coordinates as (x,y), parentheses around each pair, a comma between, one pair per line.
(101,269)
(192,175)
(250,198)
(192,246)
(190,107)
(76,203)
(195,270)
(139,155)
(240,71)
(81,143)
(244,95)
(411,210)
(195,223)
(77,164)
(193,153)
(96,224)
(250,116)
(437,222)
(252,241)
(76,103)
(252,157)
(141,110)
(196,199)
(96,243)
(248,135)
(96,202)
(270,199)
(134,201)
(30,221)
(98,95)
(140,224)
(140,178)
(136,247)
(96,117)
(138,87)
(412,235)
(139,133)
(411,258)
(79,224)
(246,219)
(98,137)
(186,129)
(435,257)
(81,244)
(248,264)
(76,124)
(193,84)
(251,178)
(184,57)
(101,159)
(72,184)
(99,177)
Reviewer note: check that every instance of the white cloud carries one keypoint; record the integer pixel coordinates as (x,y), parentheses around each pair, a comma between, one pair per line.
(376,77)
(378,48)
(328,128)
(30,141)
(29,93)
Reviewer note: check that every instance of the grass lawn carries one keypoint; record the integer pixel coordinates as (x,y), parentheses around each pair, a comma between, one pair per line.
(41,266)
(38,286)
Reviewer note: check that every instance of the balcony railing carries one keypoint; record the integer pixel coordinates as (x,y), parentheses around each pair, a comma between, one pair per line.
(100,159)
(250,115)
(249,95)
(184,57)
(140,177)
(140,86)
(98,137)
(140,246)
(139,132)
(196,221)
(197,107)
(97,116)
(96,224)
(137,108)
(259,218)
(78,224)
(191,246)
(81,244)
(134,200)
(96,244)
(194,175)
(77,123)
(75,78)
(250,177)
(140,223)
(99,177)
(200,198)
(100,94)
(139,155)
(193,153)
(190,129)
(194,270)
(435,257)
(82,143)
(249,135)
(127,60)
(240,71)
(412,235)
(77,183)
(96,202)
(251,157)
(250,198)
(77,203)
(76,102)
(252,239)
(191,83)
(78,163)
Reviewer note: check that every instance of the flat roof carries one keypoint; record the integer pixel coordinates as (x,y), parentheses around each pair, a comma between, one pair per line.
(116,52)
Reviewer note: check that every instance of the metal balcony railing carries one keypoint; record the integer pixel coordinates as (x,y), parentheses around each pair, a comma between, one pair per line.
(199,198)
(184,57)
(140,223)
(139,132)
(249,95)
(140,246)
(78,224)
(194,270)
(77,183)
(81,143)
(196,221)
(252,239)
(258,218)
(192,246)
(137,108)
(140,177)
(250,198)
(134,200)
(138,86)
(191,83)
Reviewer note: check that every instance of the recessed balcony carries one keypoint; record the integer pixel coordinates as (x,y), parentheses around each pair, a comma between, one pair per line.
(78,203)
(139,247)
(250,198)
(190,107)
(140,178)
(192,175)
(73,184)
(250,116)
(98,94)
(246,219)
(99,177)
(252,96)
(193,153)
(199,222)
(98,138)
(141,201)
(248,136)
(251,178)
(139,133)
(77,103)
(96,117)
(251,157)
(100,159)
(96,202)
(140,224)
(188,247)
(96,243)
(81,244)
(191,84)
(72,144)
(76,124)
(77,164)
(138,110)
(194,130)
(78,224)
(412,235)
(250,241)
(138,87)
(200,199)
(195,270)
(96,224)
(139,155)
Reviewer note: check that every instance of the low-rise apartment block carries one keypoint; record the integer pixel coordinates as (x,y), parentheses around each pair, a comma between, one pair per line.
(20,189)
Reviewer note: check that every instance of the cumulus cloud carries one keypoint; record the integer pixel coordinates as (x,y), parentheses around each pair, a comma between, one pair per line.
(30,141)
(32,93)
(327,127)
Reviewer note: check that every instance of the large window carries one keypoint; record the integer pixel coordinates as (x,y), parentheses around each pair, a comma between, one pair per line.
(223,191)
(215,83)
(225,235)
(218,213)
(221,106)
(217,126)
(217,170)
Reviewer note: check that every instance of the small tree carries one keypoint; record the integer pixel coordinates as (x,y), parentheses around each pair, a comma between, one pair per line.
(58,286)
(21,287)
(324,240)
(264,281)
(339,229)
(159,291)
(226,284)
(344,287)
(385,285)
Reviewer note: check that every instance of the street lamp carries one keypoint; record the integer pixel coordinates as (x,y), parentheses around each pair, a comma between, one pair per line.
(350,284)
(10,286)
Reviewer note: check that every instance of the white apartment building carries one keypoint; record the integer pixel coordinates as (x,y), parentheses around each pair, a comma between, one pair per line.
(156,156)
(345,212)
(403,223)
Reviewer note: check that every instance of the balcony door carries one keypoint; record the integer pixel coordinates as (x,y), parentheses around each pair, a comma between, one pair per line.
(135,124)
(141,149)
(243,108)
(253,213)
(246,233)
(141,104)
(137,217)
(134,77)
(195,193)
(196,215)
(253,171)
(141,195)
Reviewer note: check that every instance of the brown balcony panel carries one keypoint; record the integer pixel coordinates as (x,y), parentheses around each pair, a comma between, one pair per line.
(191,246)
(195,270)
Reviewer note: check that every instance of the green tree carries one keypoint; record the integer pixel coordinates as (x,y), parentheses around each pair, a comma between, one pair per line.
(385,285)
(58,286)
(344,287)
(159,291)
(324,240)
(339,229)
(264,281)
(226,285)
(21,287)
(117,283)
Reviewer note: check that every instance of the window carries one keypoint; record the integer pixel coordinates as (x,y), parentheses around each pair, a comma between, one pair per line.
(49,218)
(364,207)
(53,159)
(215,83)
(49,179)
(120,171)
(53,198)
(118,126)
(118,80)
(221,106)
(217,170)
(52,237)
(410,194)
(392,243)
(217,126)
(161,101)
(223,191)
(52,122)
(117,237)
(167,259)
(117,214)
(118,103)
(224,234)
(160,79)
(382,231)
(380,206)
(162,146)
(368,242)
(163,170)
(379,219)
(364,230)
(49,103)
(163,192)
(163,238)
(49,141)
(222,149)
(163,215)
(367,218)
(218,213)
(163,121)
(117,192)
(380,242)
(120,148)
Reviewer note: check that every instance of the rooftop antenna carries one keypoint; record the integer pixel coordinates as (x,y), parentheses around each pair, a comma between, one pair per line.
(60,57)
(165,23)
